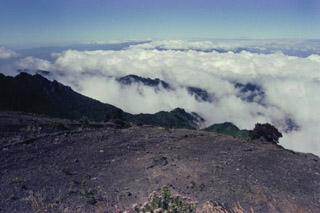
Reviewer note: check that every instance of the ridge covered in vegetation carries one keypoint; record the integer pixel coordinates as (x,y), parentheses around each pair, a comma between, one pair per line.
(228,128)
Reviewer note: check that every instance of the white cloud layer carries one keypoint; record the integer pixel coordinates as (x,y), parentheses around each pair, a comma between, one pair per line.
(291,84)
(301,45)
(7,53)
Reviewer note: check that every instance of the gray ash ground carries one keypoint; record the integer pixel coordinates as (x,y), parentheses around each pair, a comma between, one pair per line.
(97,169)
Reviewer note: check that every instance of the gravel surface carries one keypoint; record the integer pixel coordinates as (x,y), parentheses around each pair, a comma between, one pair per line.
(94,170)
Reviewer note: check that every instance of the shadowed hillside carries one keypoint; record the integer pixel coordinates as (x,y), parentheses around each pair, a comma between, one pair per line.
(37,94)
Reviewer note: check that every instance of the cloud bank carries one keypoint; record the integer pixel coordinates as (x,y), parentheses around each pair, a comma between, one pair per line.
(7,53)
(302,48)
(290,84)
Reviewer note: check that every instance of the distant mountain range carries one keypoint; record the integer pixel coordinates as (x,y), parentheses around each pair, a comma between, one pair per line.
(130,79)
(198,93)
(247,92)
(36,94)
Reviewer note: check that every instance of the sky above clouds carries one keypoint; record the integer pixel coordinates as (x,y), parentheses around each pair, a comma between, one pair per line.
(38,22)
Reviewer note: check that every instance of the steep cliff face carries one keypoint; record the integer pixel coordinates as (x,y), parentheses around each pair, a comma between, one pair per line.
(97,169)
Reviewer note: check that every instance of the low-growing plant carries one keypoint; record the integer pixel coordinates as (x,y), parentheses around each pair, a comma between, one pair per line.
(15,180)
(166,203)
(58,126)
(89,195)
(209,207)
(84,121)
(165,197)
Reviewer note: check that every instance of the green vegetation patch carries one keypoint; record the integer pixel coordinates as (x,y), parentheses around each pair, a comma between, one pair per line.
(177,118)
(166,203)
(228,128)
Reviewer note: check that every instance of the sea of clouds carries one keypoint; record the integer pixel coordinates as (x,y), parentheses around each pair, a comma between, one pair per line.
(288,73)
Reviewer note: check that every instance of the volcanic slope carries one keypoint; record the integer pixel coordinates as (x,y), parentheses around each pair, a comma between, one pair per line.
(100,169)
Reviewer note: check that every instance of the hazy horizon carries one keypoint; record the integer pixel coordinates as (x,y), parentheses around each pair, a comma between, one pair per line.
(47,23)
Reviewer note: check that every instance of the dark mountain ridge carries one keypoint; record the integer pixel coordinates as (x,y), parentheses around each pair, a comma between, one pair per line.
(36,94)
(198,93)
(129,79)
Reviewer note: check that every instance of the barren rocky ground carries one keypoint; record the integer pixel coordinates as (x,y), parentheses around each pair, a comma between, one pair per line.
(44,166)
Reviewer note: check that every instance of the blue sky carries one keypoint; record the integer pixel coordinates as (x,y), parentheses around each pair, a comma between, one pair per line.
(46,22)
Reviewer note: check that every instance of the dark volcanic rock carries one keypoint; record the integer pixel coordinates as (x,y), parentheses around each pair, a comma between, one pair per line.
(96,169)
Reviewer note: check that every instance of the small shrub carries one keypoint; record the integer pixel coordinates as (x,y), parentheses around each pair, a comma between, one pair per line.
(37,202)
(165,197)
(166,203)
(209,207)
(265,131)
(84,121)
